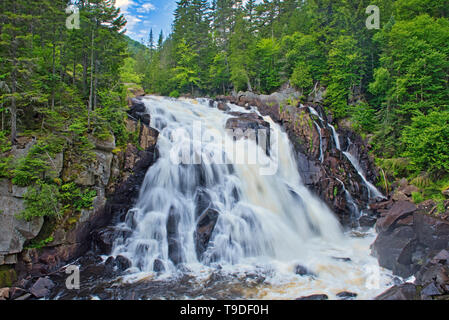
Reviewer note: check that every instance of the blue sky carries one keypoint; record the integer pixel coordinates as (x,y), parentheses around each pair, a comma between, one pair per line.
(142,15)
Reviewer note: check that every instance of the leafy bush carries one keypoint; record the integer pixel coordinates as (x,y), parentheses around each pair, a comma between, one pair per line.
(72,197)
(41,201)
(427,143)
(174,94)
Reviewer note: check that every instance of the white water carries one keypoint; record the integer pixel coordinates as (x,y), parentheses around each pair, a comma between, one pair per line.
(270,223)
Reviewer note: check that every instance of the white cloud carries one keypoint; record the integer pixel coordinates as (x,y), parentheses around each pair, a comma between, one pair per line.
(146,7)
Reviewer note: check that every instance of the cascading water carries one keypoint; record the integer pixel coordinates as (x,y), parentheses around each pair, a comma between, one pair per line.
(266,223)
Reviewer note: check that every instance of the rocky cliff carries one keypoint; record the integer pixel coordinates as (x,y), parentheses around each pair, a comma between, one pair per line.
(115,174)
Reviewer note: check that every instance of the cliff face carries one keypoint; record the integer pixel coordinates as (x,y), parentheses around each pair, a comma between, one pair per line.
(114,174)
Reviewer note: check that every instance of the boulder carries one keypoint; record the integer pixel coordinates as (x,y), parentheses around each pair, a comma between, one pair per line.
(42,287)
(303,271)
(158,266)
(122,263)
(205,228)
(407,291)
(399,211)
(14,232)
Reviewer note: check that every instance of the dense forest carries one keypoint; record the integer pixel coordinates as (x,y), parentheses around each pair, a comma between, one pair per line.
(390,84)
(60,87)
(64,86)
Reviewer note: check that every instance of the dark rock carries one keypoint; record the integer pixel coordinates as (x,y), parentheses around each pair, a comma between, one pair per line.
(431,290)
(24,297)
(394,250)
(104,240)
(347,295)
(15,293)
(315,297)
(432,232)
(122,263)
(342,259)
(303,271)
(205,228)
(175,252)
(407,291)
(223,106)
(42,287)
(158,266)
(400,210)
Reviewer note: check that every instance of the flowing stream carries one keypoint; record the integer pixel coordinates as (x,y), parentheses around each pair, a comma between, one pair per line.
(268,224)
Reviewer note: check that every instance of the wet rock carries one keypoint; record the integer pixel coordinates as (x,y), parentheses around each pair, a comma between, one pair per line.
(315,297)
(250,126)
(347,295)
(122,263)
(205,228)
(42,288)
(303,271)
(407,291)
(223,106)
(104,239)
(342,259)
(158,266)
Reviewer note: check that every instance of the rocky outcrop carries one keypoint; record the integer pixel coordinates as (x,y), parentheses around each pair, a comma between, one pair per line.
(413,243)
(205,228)
(14,231)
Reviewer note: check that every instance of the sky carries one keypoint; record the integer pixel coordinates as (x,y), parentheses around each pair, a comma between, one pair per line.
(142,15)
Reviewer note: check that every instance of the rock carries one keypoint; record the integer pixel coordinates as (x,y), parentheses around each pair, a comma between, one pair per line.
(431,290)
(400,210)
(407,291)
(347,295)
(104,239)
(122,263)
(205,228)
(432,232)
(16,293)
(250,126)
(104,145)
(13,231)
(42,288)
(303,271)
(158,266)
(315,297)
(4,293)
(394,250)
(442,258)
(400,196)
(7,276)
(24,297)
(409,190)
(342,259)
(223,106)
(148,137)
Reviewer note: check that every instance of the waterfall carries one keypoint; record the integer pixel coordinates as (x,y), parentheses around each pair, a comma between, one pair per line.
(269,220)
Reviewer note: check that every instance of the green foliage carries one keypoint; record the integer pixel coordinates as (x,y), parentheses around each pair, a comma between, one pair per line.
(301,77)
(39,244)
(427,143)
(73,198)
(174,94)
(41,200)
(417,197)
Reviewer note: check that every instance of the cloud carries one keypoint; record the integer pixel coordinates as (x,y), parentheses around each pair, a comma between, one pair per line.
(123,4)
(146,7)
